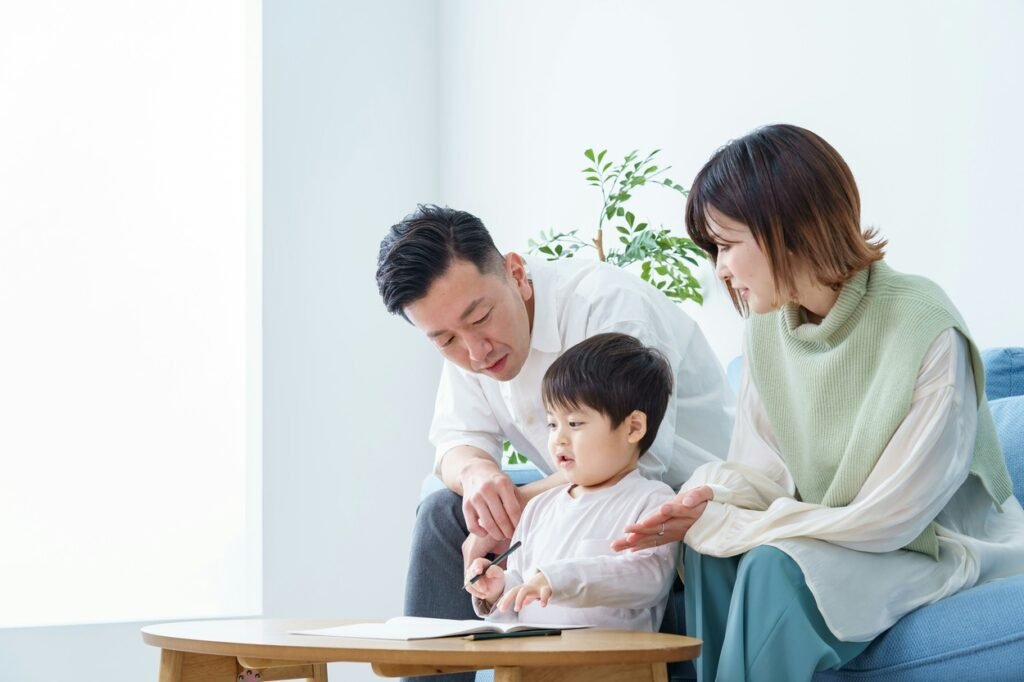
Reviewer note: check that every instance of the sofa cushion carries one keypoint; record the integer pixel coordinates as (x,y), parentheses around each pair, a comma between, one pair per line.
(977,634)
(1008,414)
(1004,372)
(734,373)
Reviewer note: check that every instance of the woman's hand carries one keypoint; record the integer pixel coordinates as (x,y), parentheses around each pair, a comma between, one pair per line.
(668,524)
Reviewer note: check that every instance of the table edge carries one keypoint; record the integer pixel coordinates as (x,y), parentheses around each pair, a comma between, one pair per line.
(480,653)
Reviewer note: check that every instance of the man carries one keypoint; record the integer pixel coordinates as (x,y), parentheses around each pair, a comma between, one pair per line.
(499,325)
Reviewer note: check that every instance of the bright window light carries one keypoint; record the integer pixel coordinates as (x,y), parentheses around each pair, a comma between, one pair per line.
(129,311)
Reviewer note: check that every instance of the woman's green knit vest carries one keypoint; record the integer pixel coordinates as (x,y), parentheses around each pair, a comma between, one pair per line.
(836,392)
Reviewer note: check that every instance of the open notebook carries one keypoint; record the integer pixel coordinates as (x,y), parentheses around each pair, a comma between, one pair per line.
(411,627)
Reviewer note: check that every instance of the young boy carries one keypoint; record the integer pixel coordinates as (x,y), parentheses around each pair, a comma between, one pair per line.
(605,399)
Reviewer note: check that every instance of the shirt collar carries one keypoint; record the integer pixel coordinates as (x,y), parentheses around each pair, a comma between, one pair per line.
(545,336)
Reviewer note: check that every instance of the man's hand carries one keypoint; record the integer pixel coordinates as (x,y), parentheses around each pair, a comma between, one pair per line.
(488,587)
(476,547)
(489,501)
(536,588)
(668,524)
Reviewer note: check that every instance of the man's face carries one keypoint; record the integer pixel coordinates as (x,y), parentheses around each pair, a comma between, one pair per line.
(479,321)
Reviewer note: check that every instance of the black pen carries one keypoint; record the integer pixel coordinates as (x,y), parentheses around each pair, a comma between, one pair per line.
(497,559)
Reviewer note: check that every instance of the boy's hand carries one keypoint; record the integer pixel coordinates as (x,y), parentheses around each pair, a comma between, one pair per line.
(491,585)
(536,588)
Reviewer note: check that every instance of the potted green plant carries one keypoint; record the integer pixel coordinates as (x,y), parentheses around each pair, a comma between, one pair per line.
(664,259)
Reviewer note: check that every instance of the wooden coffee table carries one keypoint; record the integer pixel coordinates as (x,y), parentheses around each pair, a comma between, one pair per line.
(223,650)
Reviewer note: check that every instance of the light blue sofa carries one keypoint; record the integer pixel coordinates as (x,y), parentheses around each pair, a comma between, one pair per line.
(974,636)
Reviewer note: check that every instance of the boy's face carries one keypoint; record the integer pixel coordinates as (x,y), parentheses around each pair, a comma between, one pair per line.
(591,453)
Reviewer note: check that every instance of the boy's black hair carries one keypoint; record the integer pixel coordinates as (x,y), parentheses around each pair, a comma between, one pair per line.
(420,249)
(613,374)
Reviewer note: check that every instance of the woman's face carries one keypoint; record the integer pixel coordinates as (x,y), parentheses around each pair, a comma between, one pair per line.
(742,265)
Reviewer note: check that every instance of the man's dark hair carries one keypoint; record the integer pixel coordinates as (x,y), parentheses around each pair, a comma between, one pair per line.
(613,374)
(418,250)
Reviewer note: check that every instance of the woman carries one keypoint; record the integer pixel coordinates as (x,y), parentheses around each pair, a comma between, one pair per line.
(864,478)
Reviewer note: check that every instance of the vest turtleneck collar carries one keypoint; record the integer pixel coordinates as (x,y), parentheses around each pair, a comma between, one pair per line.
(826,333)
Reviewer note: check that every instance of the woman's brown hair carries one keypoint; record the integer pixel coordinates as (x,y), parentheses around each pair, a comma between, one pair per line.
(797,196)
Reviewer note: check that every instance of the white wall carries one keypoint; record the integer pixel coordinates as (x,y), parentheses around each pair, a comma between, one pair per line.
(97,81)
(923,99)
(350,145)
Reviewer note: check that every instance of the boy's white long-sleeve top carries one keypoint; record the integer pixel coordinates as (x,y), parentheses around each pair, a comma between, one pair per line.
(851,557)
(569,540)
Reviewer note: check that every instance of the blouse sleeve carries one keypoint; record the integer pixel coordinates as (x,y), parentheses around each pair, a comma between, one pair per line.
(753,475)
(925,462)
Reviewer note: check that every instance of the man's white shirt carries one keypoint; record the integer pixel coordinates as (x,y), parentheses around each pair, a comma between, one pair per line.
(574,300)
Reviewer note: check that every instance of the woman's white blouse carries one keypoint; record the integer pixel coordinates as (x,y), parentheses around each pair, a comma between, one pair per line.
(851,557)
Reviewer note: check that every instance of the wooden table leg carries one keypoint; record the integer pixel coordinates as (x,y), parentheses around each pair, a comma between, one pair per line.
(179,666)
(271,670)
(645,672)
